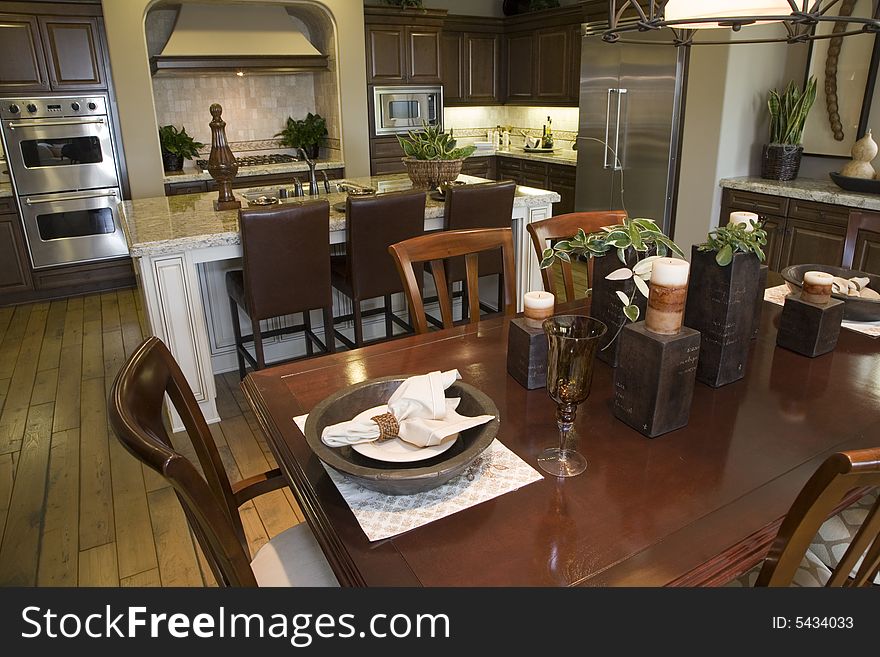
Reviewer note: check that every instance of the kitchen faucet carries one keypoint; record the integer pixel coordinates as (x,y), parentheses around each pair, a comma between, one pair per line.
(313,182)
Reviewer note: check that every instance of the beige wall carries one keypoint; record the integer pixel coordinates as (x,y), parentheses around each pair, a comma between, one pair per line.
(124,20)
(726,121)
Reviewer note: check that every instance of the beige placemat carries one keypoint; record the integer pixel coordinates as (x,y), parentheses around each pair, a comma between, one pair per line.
(777,295)
(495,472)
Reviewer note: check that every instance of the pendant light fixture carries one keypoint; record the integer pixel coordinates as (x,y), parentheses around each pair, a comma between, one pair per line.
(798,20)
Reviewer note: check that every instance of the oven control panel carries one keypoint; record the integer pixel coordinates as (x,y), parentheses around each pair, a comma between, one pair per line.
(57,106)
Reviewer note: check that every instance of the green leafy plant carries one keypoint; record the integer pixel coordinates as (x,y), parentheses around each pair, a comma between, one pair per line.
(303,133)
(788,112)
(729,240)
(178,143)
(433,144)
(642,235)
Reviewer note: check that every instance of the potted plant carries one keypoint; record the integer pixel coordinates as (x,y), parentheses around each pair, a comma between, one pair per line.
(620,285)
(432,157)
(304,133)
(781,158)
(725,281)
(177,146)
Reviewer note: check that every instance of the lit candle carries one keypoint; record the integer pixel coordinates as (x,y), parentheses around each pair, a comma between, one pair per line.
(747,220)
(538,305)
(668,292)
(817,287)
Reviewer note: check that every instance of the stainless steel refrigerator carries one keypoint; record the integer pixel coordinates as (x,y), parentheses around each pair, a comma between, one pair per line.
(631,98)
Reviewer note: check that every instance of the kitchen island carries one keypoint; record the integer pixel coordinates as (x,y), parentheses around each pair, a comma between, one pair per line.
(182,250)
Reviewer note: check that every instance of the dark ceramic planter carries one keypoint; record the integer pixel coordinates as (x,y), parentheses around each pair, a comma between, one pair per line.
(172,162)
(606,306)
(721,306)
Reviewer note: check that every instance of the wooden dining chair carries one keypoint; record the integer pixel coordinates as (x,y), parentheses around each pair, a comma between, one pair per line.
(209,500)
(563,226)
(795,555)
(860,223)
(434,248)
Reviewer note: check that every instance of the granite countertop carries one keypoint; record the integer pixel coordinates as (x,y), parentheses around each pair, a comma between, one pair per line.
(170,224)
(808,189)
(565,156)
(191,173)
(5,190)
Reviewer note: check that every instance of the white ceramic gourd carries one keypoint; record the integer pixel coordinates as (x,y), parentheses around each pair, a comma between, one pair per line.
(863,151)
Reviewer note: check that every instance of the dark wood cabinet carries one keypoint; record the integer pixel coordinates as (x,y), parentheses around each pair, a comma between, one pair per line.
(866,256)
(482,167)
(22,61)
(452,67)
(15,270)
(471,68)
(552,65)
(73,52)
(562,178)
(386,54)
(403,47)
(810,242)
(423,55)
(520,66)
(775,227)
(559,178)
(386,156)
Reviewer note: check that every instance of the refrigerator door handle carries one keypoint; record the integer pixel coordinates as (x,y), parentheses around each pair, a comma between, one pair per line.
(618,156)
(606,146)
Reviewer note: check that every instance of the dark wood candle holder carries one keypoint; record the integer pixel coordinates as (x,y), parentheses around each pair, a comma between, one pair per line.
(808,328)
(605,304)
(221,163)
(759,300)
(527,352)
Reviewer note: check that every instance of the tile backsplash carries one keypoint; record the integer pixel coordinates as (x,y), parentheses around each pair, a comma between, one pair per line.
(473,122)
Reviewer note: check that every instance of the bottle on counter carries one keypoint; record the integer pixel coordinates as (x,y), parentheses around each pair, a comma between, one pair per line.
(547,142)
(543,137)
(505,140)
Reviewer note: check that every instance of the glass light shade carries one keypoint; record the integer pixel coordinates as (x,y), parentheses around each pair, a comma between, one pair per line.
(681,10)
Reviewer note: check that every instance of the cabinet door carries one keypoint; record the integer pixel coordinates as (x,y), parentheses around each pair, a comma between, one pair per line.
(386,54)
(22,62)
(561,179)
(423,55)
(867,254)
(73,51)
(811,243)
(15,274)
(482,68)
(553,67)
(520,66)
(574,66)
(510,169)
(775,227)
(452,66)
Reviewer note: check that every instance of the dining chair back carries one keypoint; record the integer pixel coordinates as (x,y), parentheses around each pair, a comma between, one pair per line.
(435,248)
(563,226)
(858,225)
(208,499)
(830,485)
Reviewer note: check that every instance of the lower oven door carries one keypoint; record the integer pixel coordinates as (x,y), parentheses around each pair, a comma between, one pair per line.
(73,227)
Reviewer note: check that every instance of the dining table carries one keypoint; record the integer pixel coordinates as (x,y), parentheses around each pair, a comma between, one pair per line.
(694,507)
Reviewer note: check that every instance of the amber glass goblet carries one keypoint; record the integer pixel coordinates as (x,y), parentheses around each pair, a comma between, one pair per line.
(572,344)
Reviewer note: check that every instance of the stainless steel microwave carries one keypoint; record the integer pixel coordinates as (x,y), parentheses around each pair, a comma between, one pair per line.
(399,109)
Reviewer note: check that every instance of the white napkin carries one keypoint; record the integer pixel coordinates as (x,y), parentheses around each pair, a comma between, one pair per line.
(422,410)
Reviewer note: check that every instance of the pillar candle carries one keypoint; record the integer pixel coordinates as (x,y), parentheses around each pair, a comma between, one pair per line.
(817,287)
(746,219)
(538,305)
(668,292)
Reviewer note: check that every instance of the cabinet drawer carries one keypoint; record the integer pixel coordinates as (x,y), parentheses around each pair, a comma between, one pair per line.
(822,212)
(509,164)
(760,203)
(387,148)
(392,165)
(562,172)
(194,187)
(533,168)
(7,206)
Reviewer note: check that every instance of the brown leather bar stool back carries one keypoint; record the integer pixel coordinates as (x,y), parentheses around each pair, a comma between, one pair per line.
(485,205)
(367,271)
(286,259)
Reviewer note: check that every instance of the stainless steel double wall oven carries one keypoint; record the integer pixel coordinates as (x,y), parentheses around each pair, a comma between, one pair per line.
(64,171)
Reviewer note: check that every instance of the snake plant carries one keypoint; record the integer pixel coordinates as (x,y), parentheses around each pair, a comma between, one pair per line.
(788,112)
(433,144)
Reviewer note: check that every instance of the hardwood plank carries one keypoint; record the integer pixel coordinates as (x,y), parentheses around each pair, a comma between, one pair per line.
(134,533)
(12,339)
(92,349)
(153,480)
(149,578)
(59,545)
(45,387)
(6,314)
(96,510)
(92,308)
(21,538)
(178,564)
(73,323)
(275,512)
(245,448)
(234,383)
(294,504)
(18,398)
(253,527)
(7,477)
(4,389)
(50,353)
(114,357)
(109,311)
(67,410)
(226,404)
(207,574)
(132,335)
(97,566)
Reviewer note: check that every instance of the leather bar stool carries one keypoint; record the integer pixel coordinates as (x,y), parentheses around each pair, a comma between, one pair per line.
(286,257)
(484,205)
(367,271)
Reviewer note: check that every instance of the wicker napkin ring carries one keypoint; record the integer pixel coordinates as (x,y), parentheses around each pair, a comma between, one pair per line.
(388,426)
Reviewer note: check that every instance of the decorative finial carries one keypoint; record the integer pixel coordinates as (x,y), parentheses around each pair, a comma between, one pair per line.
(221,163)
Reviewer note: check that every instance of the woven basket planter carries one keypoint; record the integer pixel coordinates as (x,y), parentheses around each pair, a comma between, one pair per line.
(781,161)
(428,174)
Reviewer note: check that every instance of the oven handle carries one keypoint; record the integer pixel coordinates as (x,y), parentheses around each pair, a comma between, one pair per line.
(72,197)
(37,124)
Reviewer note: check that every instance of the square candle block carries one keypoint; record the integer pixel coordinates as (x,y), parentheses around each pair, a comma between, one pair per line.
(808,328)
(527,352)
(655,377)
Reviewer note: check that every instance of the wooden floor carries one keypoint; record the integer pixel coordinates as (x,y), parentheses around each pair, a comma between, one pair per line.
(75,507)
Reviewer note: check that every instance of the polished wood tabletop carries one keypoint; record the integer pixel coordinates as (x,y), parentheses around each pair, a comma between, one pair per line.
(697,506)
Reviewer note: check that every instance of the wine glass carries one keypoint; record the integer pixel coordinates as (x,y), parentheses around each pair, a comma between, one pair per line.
(572,344)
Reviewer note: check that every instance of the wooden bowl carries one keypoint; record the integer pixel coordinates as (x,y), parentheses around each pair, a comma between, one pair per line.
(855,309)
(391,478)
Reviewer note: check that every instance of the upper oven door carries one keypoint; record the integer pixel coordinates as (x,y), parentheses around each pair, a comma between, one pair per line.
(55,155)
(400,109)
